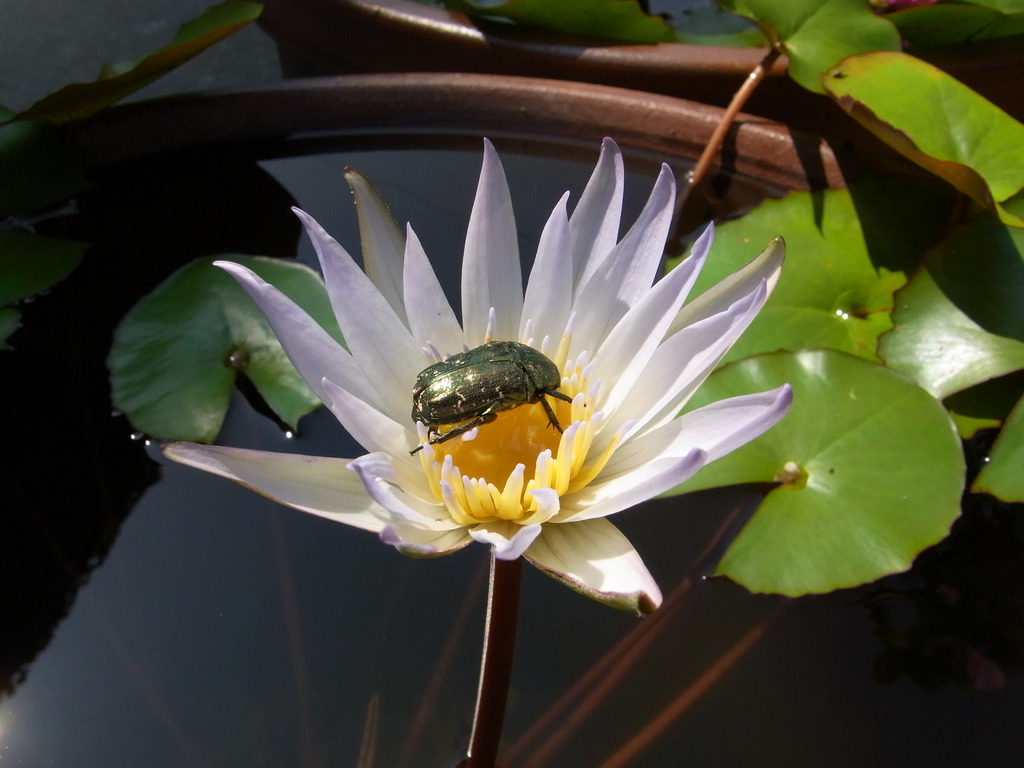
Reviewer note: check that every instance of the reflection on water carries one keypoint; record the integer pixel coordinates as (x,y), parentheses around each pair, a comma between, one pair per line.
(224,630)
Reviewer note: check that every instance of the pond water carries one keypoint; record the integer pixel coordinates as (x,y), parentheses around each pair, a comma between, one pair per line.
(216,628)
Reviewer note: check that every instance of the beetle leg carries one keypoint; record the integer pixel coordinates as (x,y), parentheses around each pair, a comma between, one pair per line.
(559,395)
(552,419)
(441,437)
(486,418)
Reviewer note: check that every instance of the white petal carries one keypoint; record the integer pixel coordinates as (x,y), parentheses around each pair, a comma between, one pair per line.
(623,357)
(491,274)
(416,542)
(629,271)
(723,426)
(547,302)
(430,315)
(620,487)
(594,225)
(311,349)
(766,267)
(377,338)
(680,365)
(508,540)
(594,558)
(319,485)
(645,463)
(381,241)
(381,479)
(373,430)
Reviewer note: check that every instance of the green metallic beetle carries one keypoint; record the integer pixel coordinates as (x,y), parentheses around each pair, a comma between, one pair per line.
(470,388)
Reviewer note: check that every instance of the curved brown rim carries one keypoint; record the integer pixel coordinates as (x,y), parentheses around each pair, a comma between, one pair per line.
(411,20)
(460,104)
(347,36)
(342,36)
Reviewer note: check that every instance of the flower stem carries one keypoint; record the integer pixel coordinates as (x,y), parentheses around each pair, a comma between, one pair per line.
(700,170)
(496,665)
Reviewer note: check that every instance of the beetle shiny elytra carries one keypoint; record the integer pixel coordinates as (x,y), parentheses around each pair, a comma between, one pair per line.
(470,389)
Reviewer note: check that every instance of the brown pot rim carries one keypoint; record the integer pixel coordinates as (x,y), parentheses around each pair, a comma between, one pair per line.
(454,104)
(346,36)
(458,32)
(461,35)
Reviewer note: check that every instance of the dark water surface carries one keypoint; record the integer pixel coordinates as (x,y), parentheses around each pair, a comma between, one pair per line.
(221,629)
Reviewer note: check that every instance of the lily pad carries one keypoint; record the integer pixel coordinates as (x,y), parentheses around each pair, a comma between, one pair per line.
(37,165)
(81,100)
(980,267)
(830,293)
(611,19)
(817,34)
(944,25)
(937,122)
(942,348)
(10,321)
(870,470)
(1006,6)
(903,217)
(986,405)
(968,426)
(1003,474)
(29,264)
(177,353)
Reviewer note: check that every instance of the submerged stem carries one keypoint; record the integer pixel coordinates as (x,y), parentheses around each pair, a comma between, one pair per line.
(496,665)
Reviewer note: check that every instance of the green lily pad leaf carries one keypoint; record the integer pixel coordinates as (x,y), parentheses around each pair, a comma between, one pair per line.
(817,34)
(937,122)
(10,321)
(81,100)
(1006,6)
(830,293)
(935,341)
(31,263)
(980,267)
(902,217)
(178,351)
(611,19)
(870,466)
(968,426)
(37,166)
(1003,474)
(942,25)
(986,405)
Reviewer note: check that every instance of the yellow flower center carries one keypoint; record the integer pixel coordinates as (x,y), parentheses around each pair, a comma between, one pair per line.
(491,476)
(516,436)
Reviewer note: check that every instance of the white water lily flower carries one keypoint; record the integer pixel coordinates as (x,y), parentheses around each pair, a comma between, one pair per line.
(630,356)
